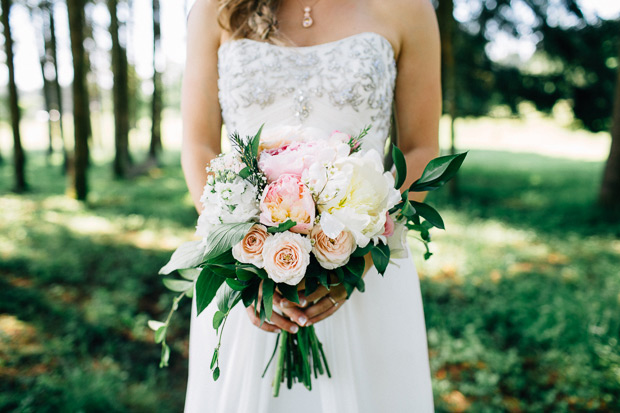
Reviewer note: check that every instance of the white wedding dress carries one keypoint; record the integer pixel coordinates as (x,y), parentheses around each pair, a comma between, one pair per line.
(376,343)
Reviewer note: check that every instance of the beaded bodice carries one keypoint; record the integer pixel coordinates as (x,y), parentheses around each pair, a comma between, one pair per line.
(343,85)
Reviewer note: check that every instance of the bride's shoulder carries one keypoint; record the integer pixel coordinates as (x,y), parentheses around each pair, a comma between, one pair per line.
(411,21)
(202,21)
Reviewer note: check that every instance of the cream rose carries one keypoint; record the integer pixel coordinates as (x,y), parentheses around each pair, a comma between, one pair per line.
(286,256)
(332,253)
(250,249)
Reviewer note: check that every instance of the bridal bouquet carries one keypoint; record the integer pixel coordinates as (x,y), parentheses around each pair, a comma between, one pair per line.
(293,210)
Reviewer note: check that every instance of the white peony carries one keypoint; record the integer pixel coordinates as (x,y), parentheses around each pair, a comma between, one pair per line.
(286,256)
(356,197)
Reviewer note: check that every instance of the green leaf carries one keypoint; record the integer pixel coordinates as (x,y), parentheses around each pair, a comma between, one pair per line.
(190,273)
(401,166)
(245,172)
(155,325)
(429,214)
(188,255)
(178,285)
(236,284)
(165,355)
(216,374)
(250,294)
(380,257)
(361,286)
(312,284)
(226,298)
(223,270)
(214,358)
(256,141)
(289,292)
(224,236)
(438,172)
(268,289)
(406,208)
(284,226)
(218,317)
(356,266)
(360,252)
(206,287)
(160,334)
(245,274)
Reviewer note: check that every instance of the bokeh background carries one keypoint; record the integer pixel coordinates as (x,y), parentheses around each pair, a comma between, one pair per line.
(522,294)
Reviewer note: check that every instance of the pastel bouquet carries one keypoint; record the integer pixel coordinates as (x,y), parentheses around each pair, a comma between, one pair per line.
(290,210)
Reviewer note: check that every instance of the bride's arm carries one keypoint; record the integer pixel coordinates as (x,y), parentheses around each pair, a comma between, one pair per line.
(418,108)
(200,108)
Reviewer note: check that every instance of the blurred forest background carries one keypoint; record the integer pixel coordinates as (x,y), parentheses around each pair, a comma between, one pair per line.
(522,296)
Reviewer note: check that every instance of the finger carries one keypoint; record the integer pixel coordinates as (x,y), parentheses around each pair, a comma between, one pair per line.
(284,323)
(327,313)
(256,321)
(294,313)
(318,294)
(303,301)
(321,306)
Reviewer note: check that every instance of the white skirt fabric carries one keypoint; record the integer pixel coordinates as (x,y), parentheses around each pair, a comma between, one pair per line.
(375,345)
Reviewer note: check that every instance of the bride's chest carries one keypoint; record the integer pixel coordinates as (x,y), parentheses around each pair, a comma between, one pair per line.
(357,72)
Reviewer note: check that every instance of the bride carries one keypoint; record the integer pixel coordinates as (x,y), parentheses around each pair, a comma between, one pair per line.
(331,64)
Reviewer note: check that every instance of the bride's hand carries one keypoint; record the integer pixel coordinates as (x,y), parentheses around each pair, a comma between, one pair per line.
(292,316)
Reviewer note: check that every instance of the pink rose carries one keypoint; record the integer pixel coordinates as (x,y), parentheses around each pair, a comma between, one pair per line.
(288,198)
(293,158)
(332,253)
(250,249)
(286,256)
(389,225)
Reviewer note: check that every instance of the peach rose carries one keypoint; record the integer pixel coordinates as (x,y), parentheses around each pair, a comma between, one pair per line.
(250,249)
(288,198)
(286,256)
(332,253)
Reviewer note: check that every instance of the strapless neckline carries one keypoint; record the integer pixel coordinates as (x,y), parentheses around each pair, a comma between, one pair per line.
(316,46)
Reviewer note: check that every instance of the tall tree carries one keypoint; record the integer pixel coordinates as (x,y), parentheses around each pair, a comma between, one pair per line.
(81,111)
(156,104)
(445,17)
(19,157)
(122,159)
(609,196)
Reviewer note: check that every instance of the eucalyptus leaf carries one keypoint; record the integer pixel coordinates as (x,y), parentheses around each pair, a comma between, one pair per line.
(178,285)
(226,298)
(188,255)
(224,236)
(218,318)
(284,226)
(160,334)
(401,166)
(206,287)
(190,274)
(155,325)
(268,289)
(380,257)
(429,214)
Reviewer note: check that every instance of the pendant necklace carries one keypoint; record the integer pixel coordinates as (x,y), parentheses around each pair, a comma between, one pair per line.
(307,21)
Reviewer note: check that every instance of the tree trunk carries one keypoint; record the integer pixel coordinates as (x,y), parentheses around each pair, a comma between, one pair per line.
(19,156)
(121,96)
(81,111)
(156,106)
(56,84)
(609,196)
(445,15)
(43,10)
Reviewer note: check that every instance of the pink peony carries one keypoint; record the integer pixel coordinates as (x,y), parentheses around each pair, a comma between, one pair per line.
(389,225)
(288,198)
(294,158)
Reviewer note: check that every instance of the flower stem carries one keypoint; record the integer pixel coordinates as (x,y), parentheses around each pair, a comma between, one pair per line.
(280,366)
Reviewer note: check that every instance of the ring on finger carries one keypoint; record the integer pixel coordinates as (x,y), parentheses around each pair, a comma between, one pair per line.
(334,302)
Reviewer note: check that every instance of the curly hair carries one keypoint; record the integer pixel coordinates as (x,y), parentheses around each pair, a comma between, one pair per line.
(252,19)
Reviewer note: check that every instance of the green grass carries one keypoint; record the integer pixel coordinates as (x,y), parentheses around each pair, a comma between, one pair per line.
(521,297)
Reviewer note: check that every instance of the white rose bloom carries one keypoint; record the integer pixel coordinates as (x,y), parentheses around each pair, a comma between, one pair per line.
(286,256)
(358,197)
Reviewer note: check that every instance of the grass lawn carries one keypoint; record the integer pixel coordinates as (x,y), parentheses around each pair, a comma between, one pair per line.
(522,296)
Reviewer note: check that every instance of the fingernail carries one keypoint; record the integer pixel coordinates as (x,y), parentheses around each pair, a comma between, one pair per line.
(284,303)
(294,329)
(302,302)
(302,320)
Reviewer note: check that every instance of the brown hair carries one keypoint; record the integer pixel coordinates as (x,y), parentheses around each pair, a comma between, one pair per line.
(252,19)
